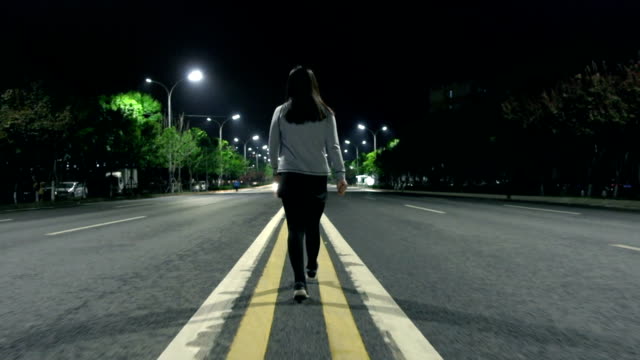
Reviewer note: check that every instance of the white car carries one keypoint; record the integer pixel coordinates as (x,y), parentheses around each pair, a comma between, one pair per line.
(199,186)
(71,190)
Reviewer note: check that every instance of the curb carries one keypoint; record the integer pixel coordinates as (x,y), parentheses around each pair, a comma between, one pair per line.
(628,205)
(68,203)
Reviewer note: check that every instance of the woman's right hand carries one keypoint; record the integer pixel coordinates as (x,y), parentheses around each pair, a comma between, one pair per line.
(342,187)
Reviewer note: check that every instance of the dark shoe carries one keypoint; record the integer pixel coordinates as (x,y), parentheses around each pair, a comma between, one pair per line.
(300,292)
(312,273)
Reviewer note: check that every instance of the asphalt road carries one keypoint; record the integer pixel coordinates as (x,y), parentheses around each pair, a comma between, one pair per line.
(479,279)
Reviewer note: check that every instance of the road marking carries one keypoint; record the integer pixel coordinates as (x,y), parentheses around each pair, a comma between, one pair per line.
(95,226)
(626,247)
(425,209)
(404,338)
(345,341)
(369,198)
(199,334)
(5,220)
(549,210)
(252,337)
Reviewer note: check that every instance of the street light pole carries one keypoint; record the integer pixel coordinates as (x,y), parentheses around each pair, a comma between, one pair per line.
(220,126)
(254,138)
(194,76)
(357,152)
(375,134)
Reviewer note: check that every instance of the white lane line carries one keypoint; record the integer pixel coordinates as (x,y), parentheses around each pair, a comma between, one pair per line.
(199,334)
(5,220)
(626,247)
(404,338)
(95,226)
(369,198)
(539,209)
(425,209)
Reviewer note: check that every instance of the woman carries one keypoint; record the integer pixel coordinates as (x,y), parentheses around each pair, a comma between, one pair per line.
(302,136)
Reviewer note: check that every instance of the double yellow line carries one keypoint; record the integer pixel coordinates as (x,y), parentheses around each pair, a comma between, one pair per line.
(252,337)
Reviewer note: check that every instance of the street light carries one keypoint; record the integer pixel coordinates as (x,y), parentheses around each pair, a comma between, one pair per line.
(211,118)
(375,146)
(348,142)
(220,126)
(254,138)
(194,76)
(233,117)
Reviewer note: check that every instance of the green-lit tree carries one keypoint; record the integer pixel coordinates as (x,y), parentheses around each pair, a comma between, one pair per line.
(117,131)
(233,164)
(197,141)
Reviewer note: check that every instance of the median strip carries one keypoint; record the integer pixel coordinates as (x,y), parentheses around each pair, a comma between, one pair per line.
(199,334)
(252,337)
(425,209)
(95,226)
(539,209)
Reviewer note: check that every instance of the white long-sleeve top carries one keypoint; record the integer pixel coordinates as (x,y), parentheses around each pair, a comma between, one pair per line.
(305,148)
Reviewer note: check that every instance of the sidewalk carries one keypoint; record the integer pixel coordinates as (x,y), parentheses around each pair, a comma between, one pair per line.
(574,201)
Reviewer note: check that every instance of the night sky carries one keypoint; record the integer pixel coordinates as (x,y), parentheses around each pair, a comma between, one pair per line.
(375,64)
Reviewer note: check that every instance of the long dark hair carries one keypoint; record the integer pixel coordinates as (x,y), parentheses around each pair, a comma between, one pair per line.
(303,98)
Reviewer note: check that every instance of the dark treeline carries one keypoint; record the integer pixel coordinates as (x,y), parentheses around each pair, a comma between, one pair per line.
(577,138)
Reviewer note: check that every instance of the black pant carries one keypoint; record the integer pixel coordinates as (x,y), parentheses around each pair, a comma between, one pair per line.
(303,197)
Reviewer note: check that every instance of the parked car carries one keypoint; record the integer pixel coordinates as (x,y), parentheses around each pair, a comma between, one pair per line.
(199,186)
(71,190)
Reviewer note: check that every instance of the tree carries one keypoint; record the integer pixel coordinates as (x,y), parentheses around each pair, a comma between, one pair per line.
(167,145)
(369,165)
(135,105)
(33,129)
(373,164)
(233,164)
(115,131)
(139,124)
(593,113)
(193,140)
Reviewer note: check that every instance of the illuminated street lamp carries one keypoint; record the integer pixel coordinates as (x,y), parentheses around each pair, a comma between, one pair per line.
(194,76)
(254,138)
(375,145)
